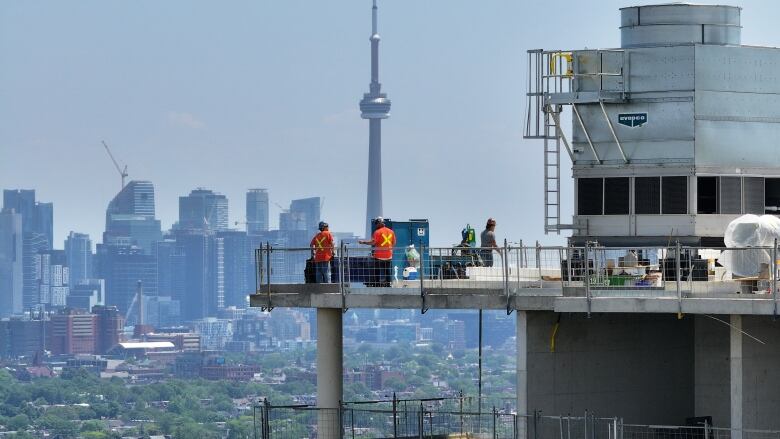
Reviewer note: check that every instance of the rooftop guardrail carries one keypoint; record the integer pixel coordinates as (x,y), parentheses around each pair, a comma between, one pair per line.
(673,272)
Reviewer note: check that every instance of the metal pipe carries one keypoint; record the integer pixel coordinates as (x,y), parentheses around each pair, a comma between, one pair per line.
(586,424)
(585,130)
(422,276)
(395,416)
(268,272)
(612,130)
(677,274)
(539,262)
(586,278)
(774,280)
(258,268)
(342,253)
(560,264)
(420,426)
(506,272)
(479,382)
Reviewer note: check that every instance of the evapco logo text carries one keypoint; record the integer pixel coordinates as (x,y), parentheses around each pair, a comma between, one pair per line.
(632,120)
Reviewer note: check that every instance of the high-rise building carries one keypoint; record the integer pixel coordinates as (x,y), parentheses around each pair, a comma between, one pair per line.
(203,209)
(304,214)
(34,243)
(37,235)
(170,269)
(374,106)
(43,221)
(22,201)
(11,273)
(86,294)
(214,333)
(236,262)
(53,278)
(122,267)
(256,211)
(161,311)
(110,324)
(202,293)
(36,217)
(130,219)
(78,252)
(21,337)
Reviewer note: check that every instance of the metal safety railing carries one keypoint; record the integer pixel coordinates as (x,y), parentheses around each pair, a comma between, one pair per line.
(590,271)
(422,421)
(368,421)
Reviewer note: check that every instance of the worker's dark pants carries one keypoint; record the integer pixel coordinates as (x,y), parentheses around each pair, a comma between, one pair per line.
(381,273)
(487,258)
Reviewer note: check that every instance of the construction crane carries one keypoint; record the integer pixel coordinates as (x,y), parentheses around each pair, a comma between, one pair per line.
(122,171)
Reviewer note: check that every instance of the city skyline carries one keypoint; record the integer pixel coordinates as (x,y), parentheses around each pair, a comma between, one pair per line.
(99,236)
(183,109)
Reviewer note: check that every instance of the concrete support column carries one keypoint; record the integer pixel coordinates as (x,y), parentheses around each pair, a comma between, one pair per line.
(522,374)
(735,368)
(329,371)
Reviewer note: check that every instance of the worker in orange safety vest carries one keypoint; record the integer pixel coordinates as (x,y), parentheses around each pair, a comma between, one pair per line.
(322,250)
(383,241)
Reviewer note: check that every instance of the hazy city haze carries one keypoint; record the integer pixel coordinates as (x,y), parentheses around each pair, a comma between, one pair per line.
(238,95)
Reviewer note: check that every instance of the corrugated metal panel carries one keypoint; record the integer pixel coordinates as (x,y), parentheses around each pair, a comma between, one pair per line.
(739,69)
(667,136)
(662,69)
(737,144)
(680,24)
(679,13)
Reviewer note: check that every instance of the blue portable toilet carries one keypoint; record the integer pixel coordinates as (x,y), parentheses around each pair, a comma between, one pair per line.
(413,232)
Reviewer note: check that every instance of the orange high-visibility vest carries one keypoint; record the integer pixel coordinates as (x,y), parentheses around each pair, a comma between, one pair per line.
(384,241)
(323,246)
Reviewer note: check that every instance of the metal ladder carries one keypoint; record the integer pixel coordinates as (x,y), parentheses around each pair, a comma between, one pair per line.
(552,173)
(548,73)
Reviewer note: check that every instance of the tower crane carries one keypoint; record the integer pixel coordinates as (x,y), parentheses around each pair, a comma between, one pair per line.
(122,171)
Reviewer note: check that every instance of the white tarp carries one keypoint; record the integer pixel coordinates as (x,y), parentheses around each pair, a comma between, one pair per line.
(750,231)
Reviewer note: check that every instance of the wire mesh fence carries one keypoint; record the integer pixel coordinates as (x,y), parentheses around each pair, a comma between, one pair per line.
(591,271)
(386,419)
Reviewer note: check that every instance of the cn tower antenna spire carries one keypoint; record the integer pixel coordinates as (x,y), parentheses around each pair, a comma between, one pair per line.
(374,106)
(373,19)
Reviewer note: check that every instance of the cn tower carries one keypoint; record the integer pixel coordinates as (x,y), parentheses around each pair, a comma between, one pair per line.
(374,106)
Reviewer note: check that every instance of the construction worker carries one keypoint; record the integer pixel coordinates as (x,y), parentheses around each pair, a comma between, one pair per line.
(322,251)
(488,242)
(383,241)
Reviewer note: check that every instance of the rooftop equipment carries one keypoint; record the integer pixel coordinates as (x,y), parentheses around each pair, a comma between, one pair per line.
(672,134)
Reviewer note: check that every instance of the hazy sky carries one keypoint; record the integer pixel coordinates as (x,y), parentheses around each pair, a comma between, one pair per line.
(242,94)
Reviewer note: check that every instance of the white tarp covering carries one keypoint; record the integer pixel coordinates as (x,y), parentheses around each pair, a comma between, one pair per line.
(750,231)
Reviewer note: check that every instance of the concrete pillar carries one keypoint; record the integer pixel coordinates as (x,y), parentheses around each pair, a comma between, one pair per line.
(735,368)
(522,374)
(330,373)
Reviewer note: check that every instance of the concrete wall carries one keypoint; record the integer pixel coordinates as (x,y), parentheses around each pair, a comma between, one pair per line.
(760,368)
(761,373)
(712,391)
(638,367)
